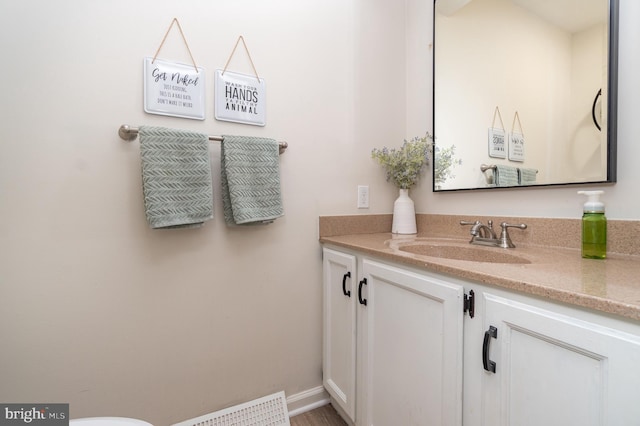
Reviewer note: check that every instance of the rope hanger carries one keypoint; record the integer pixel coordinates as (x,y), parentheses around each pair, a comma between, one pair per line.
(517,117)
(175,21)
(493,123)
(241,38)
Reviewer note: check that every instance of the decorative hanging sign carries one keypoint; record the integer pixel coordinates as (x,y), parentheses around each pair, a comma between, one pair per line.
(171,88)
(240,98)
(174,89)
(516,141)
(497,142)
(516,146)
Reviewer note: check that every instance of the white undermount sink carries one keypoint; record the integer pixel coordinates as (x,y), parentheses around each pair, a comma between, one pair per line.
(444,249)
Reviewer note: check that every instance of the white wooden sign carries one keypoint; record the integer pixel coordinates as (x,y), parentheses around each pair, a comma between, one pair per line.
(174,89)
(240,98)
(516,146)
(497,143)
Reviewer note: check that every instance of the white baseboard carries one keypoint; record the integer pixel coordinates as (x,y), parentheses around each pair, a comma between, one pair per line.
(307,400)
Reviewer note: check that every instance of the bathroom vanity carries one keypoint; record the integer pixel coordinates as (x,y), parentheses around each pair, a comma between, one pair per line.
(544,338)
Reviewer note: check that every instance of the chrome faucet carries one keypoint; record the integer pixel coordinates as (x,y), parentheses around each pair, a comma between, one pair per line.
(483,231)
(484,235)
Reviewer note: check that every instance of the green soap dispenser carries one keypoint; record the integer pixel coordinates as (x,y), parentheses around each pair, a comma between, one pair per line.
(594,227)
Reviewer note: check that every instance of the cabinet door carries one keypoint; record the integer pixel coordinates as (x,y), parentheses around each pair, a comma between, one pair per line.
(412,340)
(552,369)
(339,331)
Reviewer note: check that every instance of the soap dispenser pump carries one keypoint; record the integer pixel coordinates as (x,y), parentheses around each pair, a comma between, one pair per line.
(594,227)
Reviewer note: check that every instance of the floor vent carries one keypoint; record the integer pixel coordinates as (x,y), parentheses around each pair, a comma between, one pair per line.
(270,410)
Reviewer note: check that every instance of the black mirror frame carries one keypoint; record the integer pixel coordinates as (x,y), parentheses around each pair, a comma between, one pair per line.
(612,107)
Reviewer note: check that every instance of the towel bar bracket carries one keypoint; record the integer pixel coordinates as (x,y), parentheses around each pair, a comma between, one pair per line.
(129,133)
(126,133)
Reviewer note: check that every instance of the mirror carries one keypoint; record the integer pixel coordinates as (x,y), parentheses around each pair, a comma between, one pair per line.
(525,93)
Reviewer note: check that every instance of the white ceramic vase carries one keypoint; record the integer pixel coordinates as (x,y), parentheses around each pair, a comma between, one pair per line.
(404,214)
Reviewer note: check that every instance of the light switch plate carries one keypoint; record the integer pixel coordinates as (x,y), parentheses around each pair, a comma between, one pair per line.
(363,196)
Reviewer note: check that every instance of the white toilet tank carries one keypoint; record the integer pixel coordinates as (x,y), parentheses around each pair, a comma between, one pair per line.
(107,421)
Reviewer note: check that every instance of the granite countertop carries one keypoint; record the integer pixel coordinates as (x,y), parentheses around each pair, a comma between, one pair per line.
(555,273)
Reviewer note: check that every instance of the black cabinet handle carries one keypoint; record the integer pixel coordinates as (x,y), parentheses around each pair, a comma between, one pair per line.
(360,299)
(344,282)
(488,364)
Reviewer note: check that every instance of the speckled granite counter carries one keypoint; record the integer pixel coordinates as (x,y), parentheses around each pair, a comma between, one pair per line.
(555,273)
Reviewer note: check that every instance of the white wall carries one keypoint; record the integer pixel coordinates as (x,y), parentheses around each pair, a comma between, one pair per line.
(100,311)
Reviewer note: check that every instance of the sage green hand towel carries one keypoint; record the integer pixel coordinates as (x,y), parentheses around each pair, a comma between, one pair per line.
(527,176)
(176,177)
(250,177)
(506,176)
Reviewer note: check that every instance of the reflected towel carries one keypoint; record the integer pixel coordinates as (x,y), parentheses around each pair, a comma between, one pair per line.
(527,176)
(506,176)
(176,177)
(250,175)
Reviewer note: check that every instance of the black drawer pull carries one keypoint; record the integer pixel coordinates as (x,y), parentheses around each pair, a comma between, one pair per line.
(360,299)
(344,282)
(486,362)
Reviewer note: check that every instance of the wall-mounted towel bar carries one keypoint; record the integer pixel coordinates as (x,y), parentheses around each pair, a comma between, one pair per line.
(129,133)
(485,167)
(507,175)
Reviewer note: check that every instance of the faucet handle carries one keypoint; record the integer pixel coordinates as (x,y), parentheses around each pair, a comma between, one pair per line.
(505,240)
(506,225)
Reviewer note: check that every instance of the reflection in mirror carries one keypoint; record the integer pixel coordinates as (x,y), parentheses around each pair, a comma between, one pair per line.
(525,91)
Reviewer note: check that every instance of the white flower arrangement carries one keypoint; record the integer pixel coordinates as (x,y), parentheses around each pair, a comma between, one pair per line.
(404,165)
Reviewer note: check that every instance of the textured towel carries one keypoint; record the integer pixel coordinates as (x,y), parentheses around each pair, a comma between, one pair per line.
(527,176)
(506,176)
(250,175)
(176,177)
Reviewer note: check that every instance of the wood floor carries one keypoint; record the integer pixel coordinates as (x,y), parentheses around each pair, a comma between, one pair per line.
(322,416)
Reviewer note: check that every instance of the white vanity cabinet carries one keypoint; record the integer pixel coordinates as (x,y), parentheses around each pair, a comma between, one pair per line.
(400,355)
(411,356)
(339,328)
(411,348)
(542,364)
